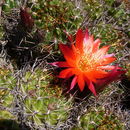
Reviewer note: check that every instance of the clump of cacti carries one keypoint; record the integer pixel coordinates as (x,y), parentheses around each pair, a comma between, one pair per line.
(31,94)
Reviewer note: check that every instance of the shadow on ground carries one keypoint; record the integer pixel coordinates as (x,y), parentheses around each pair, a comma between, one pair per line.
(6,124)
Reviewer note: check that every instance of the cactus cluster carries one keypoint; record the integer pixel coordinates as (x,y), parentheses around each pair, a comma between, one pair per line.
(31,94)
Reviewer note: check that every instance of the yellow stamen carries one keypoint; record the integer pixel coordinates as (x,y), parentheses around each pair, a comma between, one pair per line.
(86,63)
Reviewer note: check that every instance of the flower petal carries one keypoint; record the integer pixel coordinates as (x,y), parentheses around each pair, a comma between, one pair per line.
(68,53)
(81,82)
(107,60)
(100,74)
(66,50)
(75,51)
(90,76)
(66,73)
(115,74)
(79,40)
(109,55)
(107,67)
(101,52)
(96,45)
(95,74)
(73,83)
(91,86)
(88,44)
(86,34)
(60,64)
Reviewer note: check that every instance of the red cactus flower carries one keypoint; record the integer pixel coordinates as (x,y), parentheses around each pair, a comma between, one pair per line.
(87,63)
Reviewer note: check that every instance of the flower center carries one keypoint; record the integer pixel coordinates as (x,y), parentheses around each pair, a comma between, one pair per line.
(86,63)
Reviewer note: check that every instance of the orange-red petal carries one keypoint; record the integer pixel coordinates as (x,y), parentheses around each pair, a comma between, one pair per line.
(90,76)
(96,45)
(69,54)
(67,51)
(107,61)
(90,86)
(115,74)
(100,74)
(88,44)
(66,73)
(81,82)
(107,67)
(79,40)
(95,74)
(73,83)
(60,64)
(86,36)
(101,52)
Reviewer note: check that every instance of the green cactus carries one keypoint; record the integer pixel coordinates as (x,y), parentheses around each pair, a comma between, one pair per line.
(7,82)
(56,16)
(30,98)
(98,119)
(9,4)
(42,102)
